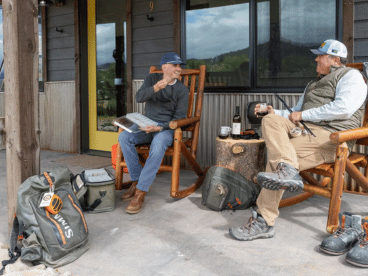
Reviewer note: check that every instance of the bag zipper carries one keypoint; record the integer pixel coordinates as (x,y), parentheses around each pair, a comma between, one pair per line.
(57,227)
(80,212)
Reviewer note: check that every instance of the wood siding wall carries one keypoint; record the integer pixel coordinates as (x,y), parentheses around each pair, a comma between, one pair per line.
(60,45)
(58,123)
(150,39)
(360,31)
(58,117)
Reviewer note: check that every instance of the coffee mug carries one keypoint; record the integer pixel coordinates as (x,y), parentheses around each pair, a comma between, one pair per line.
(224,132)
(262,111)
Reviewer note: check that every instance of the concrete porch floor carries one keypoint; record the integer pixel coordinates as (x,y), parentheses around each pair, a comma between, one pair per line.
(183,237)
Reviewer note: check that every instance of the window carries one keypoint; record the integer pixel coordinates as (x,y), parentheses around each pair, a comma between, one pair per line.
(40,69)
(257,44)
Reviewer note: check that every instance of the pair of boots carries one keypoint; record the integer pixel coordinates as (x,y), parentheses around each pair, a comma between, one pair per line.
(351,237)
(136,198)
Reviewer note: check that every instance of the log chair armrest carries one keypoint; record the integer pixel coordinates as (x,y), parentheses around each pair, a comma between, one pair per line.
(183,122)
(348,135)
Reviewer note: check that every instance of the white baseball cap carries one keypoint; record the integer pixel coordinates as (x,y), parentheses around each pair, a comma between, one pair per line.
(331,47)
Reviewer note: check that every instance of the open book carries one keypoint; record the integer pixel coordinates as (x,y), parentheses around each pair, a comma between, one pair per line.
(128,122)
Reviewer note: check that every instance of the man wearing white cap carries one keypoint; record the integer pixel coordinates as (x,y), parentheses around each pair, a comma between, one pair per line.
(332,102)
(165,99)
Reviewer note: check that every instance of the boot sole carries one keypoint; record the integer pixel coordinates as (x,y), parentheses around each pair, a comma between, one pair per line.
(275,185)
(127,199)
(332,252)
(133,212)
(356,264)
(259,236)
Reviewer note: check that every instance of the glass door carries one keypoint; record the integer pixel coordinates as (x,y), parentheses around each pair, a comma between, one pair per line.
(106,70)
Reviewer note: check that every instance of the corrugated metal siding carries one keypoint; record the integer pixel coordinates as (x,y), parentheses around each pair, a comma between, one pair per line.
(60,45)
(58,117)
(361,31)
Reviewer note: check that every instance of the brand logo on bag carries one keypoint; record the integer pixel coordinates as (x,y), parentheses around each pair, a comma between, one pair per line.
(67,230)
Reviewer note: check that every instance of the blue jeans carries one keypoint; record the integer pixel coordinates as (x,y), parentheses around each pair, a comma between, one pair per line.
(159,141)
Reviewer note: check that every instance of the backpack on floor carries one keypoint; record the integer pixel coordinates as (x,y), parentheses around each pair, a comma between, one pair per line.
(53,235)
(225,189)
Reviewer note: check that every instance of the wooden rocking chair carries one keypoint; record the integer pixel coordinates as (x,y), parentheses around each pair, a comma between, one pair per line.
(181,146)
(336,171)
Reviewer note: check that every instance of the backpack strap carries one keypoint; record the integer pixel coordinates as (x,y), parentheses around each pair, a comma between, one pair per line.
(14,248)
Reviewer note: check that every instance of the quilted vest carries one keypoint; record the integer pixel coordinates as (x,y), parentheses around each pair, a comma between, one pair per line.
(322,91)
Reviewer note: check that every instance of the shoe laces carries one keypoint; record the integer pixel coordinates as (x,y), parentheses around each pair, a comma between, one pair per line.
(281,169)
(250,223)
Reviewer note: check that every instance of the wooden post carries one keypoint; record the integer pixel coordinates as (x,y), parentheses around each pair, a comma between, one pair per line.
(21,95)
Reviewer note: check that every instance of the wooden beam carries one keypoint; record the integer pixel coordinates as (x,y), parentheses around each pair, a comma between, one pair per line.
(21,95)
(348,28)
(77,125)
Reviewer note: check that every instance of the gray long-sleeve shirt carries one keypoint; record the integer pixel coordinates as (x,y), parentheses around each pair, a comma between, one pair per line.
(170,103)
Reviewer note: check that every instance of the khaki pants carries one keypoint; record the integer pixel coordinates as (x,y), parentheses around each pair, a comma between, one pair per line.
(303,152)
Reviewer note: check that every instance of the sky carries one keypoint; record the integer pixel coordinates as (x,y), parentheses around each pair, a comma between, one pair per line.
(213,31)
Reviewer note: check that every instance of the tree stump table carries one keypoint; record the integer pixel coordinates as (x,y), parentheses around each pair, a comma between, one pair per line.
(246,157)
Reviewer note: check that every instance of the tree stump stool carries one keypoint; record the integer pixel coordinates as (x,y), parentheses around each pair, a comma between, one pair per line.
(246,157)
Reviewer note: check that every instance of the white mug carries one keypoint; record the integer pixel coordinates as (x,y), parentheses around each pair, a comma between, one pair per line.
(224,132)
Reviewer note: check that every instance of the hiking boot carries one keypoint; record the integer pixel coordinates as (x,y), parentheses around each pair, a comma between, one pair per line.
(136,204)
(129,194)
(256,228)
(358,255)
(285,177)
(346,235)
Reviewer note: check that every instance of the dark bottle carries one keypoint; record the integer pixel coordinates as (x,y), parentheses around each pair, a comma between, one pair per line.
(236,124)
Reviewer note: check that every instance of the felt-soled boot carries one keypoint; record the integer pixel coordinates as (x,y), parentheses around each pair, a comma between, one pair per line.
(358,255)
(129,194)
(345,237)
(136,204)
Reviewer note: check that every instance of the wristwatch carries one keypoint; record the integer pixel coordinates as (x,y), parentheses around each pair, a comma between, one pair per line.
(161,128)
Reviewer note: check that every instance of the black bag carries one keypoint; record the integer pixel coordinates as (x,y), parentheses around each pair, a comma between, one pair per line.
(54,235)
(225,189)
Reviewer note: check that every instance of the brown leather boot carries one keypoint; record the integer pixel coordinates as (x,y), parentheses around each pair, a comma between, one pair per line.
(129,194)
(136,204)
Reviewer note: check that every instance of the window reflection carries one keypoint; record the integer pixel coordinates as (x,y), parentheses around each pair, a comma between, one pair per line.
(217,35)
(111,63)
(287,29)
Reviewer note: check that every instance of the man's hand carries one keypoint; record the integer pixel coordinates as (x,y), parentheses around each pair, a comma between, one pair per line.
(150,129)
(269,109)
(295,117)
(160,85)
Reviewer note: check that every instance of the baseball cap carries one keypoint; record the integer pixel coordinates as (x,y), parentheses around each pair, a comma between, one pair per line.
(331,47)
(171,58)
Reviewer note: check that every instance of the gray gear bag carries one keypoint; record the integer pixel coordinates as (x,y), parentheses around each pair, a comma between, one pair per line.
(50,238)
(225,189)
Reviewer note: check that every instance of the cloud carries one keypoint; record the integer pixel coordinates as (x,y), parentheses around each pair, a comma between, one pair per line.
(105,43)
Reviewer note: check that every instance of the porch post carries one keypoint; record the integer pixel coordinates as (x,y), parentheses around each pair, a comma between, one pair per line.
(21,95)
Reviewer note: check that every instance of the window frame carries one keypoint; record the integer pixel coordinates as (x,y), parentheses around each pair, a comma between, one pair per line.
(253,28)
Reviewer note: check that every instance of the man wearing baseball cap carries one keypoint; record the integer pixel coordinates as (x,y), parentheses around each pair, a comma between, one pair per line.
(334,101)
(166,99)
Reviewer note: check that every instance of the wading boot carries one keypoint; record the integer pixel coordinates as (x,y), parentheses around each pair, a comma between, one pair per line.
(358,255)
(285,177)
(136,204)
(345,237)
(129,194)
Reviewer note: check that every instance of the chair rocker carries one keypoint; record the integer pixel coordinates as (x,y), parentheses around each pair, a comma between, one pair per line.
(194,79)
(332,184)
